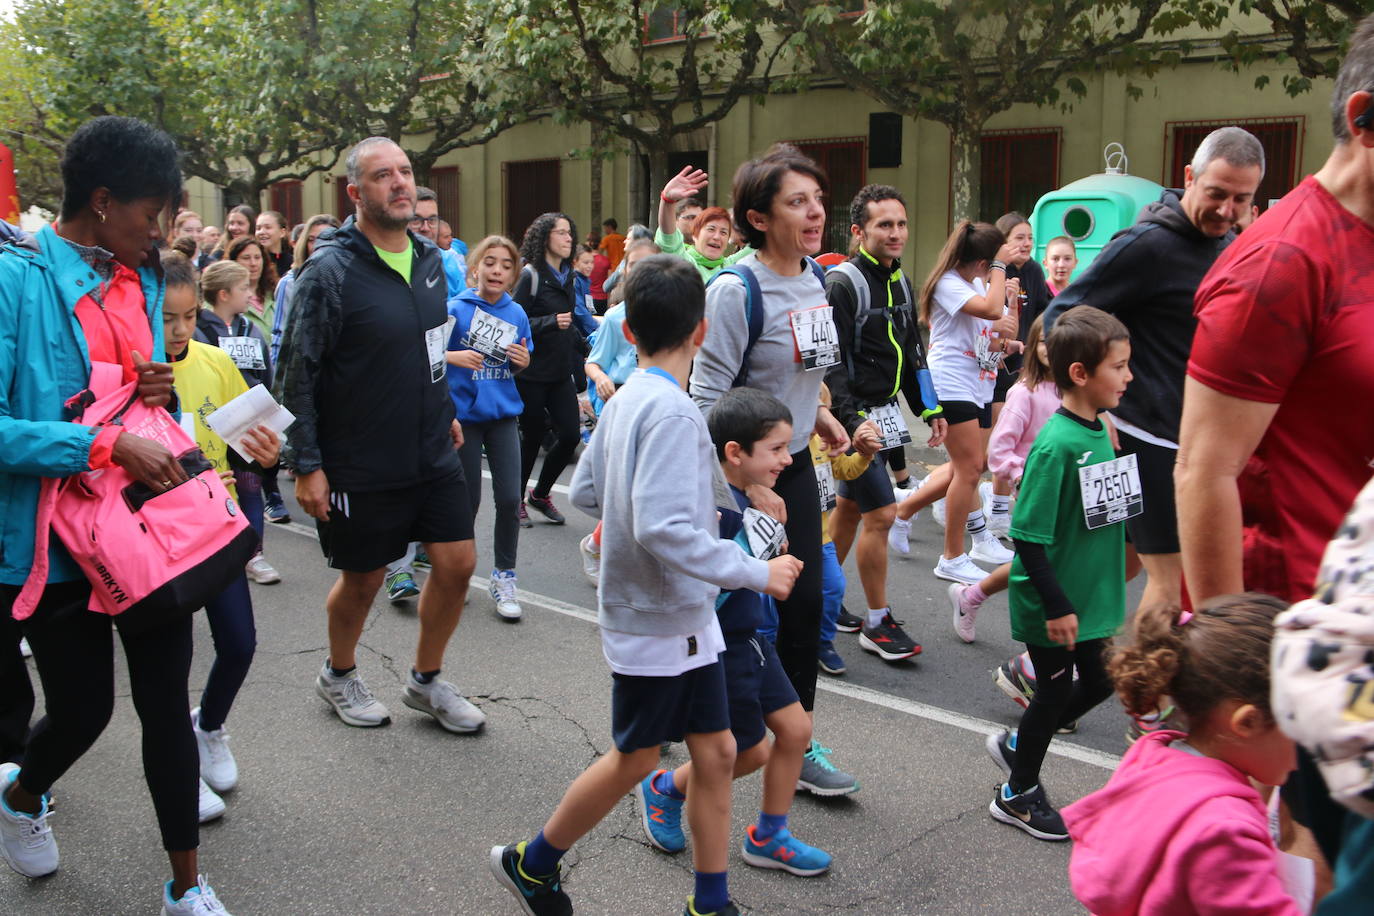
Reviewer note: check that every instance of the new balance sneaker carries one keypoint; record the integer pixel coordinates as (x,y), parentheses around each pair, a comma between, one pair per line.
(421,560)
(261,572)
(211,805)
(217,764)
(1016,680)
(1030,811)
(888,640)
(502,591)
(660,815)
(200,900)
(525,516)
(400,585)
(442,700)
(591,559)
(999,523)
(937,511)
(965,613)
(847,622)
(1002,749)
(545,507)
(829,660)
(351,699)
(899,536)
(987,549)
(784,851)
(274,510)
(959,569)
(24,649)
(539,895)
(26,840)
(820,777)
(728,910)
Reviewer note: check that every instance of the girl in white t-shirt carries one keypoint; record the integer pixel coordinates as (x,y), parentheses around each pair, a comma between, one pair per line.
(964,301)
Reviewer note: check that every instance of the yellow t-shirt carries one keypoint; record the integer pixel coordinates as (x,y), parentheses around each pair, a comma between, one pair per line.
(843,467)
(398,261)
(205,380)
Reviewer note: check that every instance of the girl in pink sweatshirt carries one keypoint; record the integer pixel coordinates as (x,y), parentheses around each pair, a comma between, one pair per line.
(1178,829)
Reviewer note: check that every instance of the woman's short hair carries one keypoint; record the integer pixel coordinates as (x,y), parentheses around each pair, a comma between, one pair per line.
(129,157)
(708,216)
(757,183)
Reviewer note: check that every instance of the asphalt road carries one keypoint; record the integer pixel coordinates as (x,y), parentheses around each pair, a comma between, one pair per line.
(336,820)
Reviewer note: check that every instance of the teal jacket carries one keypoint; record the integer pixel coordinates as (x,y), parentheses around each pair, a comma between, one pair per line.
(43,362)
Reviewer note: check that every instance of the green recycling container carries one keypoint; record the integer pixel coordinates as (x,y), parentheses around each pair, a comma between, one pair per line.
(1090,211)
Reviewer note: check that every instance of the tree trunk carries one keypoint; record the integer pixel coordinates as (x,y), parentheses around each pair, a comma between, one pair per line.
(965,172)
(658,177)
(598,141)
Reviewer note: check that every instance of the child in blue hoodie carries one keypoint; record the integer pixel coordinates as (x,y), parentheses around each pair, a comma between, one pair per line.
(489,343)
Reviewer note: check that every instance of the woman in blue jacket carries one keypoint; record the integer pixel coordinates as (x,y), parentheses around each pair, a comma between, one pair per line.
(490,343)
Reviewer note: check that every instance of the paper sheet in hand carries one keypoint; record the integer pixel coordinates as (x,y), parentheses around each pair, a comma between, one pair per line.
(255,406)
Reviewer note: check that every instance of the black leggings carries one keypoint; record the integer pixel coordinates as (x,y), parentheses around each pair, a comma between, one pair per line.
(74,649)
(16,691)
(799,617)
(1058,700)
(895,457)
(559,399)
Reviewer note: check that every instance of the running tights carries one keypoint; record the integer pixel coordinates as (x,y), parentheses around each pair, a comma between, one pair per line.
(799,617)
(559,400)
(501,440)
(1059,700)
(230,616)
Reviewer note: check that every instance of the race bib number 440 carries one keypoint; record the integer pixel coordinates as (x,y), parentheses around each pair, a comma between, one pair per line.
(818,343)
(1111,492)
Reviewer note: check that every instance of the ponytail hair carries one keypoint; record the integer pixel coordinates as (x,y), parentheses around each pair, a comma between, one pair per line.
(967,244)
(1220,653)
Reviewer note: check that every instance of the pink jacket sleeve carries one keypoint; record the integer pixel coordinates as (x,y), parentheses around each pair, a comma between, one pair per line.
(1232,870)
(1003,459)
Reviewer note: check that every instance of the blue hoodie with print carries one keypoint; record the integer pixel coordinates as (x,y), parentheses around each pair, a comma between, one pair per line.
(486,394)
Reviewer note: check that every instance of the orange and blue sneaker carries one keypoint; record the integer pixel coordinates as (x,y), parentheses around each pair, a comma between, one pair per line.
(661,815)
(784,851)
(539,895)
(728,910)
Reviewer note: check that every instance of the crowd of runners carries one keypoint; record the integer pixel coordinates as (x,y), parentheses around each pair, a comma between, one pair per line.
(736,417)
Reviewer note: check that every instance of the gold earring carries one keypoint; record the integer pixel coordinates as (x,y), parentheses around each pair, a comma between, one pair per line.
(101,214)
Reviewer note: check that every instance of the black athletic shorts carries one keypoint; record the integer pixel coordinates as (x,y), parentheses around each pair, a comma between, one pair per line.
(871,490)
(963,411)
(1005,380)
(366,531)
(1155,530)
(647,711)
(756,685)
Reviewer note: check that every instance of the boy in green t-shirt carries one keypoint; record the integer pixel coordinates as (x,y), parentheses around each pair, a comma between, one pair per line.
(1067,592)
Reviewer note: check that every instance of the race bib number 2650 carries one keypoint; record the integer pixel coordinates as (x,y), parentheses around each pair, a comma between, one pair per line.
(1111,492)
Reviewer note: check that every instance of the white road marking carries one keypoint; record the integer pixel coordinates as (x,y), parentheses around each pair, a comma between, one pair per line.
(918,710)
(557,488)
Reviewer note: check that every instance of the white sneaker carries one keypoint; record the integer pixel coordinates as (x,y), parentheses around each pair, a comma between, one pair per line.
(963,620)
(959,569)
(200,900)
(351,699)
(217,764)
(985,496)
(937,511)
(261,572)
(502,591)
(591,559)
(999,523)
(899,536)
(442,700)
(24,649)
(211,805)
(26,840)
(987,549)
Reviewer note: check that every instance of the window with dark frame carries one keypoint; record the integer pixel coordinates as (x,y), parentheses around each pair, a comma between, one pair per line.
(445,183)
(286,200)
(845,161)
(531,187)
(1281,138)
(1018,168)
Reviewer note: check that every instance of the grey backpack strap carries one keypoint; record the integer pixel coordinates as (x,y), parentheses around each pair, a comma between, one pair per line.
(532,272)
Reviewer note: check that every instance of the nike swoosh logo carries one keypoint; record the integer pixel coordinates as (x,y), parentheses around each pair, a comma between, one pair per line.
(1086,456)
(435,279)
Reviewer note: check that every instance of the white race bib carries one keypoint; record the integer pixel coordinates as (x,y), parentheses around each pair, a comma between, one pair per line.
(825,486)
(818,343)
(246,352)
(435,341)
(988,359)
(766,534)
(490,335)
(891,425)
(1111,492)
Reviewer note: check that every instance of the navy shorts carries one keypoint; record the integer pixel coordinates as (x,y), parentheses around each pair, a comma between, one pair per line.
(647,711)
(871,490)
(366,531)
(757,686)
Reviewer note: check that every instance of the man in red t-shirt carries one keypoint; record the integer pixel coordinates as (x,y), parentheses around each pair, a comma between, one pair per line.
(1277,437)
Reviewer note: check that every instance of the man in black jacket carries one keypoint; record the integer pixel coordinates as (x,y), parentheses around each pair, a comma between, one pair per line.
(881,356)
(375,438)
(1147,277)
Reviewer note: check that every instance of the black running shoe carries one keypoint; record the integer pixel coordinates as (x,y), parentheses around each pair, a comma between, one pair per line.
(1002,749)
(847,622)
(545,507)
(1030,811)
(888,640)
(541,896)
(728,910)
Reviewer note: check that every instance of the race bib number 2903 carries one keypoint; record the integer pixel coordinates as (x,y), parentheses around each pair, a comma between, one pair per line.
(1111,492)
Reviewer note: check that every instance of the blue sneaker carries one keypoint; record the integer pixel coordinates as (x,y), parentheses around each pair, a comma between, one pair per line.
(661,816)
(421,560)
(829,660)
(401,585)
(538,896)
(783,850)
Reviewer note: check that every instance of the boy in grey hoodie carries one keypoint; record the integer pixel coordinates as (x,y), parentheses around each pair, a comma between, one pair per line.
(648,473)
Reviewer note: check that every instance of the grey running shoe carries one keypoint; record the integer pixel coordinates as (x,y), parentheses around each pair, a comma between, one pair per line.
(351,699)
(820,777)
(449,708)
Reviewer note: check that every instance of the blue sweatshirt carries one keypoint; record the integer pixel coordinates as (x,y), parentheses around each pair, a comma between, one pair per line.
(486,394)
